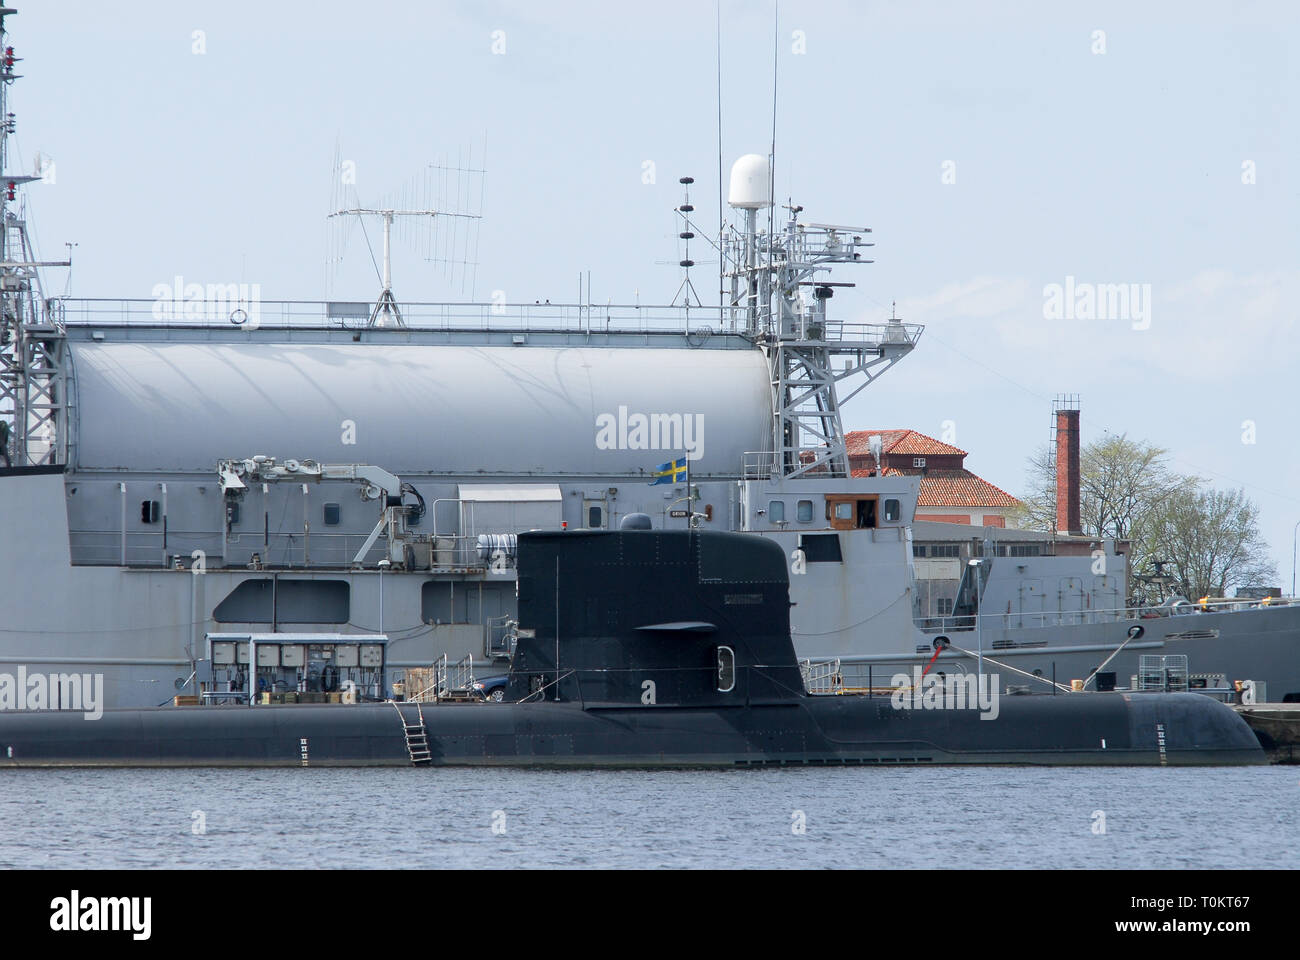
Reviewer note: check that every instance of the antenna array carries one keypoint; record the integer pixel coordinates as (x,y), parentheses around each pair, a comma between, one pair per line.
(435,213)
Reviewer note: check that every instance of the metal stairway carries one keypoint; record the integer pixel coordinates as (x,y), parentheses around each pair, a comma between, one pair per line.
(417,737)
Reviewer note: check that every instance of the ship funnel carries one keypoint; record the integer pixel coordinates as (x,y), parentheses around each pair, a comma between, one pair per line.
(751,183)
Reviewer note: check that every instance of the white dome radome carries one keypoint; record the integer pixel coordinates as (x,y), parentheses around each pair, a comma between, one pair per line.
(751,183)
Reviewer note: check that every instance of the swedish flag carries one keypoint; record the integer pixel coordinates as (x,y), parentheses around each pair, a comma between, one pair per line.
(674,471)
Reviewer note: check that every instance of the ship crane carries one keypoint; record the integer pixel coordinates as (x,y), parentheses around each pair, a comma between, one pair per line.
(376,484)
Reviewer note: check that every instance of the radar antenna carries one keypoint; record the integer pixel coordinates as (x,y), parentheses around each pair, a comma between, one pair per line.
(686,235)
(386,312)
(780,303)
(444,192)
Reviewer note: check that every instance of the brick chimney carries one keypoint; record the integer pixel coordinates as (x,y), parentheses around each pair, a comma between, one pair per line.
(1067,472)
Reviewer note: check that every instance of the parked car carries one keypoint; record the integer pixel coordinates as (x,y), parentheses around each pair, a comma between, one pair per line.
(492,688)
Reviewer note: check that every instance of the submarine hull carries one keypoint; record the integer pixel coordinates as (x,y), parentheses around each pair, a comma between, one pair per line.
(1096,729)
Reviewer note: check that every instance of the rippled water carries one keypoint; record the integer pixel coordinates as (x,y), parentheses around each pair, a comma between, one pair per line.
(854,817)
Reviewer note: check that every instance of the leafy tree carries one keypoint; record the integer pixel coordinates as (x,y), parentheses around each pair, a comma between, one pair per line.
(1212,542)
(1121,481)
(1208,539)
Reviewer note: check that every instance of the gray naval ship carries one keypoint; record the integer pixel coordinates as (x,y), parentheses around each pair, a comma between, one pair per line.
(209,495)
(650,648)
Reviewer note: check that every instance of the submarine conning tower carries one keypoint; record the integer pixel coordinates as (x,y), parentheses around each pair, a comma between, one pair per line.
(651,617)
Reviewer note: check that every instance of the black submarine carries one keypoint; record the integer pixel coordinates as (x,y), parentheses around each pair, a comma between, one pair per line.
(642,648)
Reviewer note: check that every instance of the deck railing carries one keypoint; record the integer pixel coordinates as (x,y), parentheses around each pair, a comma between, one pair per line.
(822,676)
(965,623)
(237,308)
(236,313)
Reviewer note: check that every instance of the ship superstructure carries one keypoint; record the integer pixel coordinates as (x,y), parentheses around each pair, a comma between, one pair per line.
(208,463)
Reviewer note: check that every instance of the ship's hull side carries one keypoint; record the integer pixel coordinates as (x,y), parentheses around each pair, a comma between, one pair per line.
(1081,729)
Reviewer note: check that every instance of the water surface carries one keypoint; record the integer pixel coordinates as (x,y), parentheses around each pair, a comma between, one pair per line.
(510,818)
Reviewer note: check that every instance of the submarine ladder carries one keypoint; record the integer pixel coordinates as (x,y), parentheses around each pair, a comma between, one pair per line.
(417,737)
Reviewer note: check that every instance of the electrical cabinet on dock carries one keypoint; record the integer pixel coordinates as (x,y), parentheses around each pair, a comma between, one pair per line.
(294,667)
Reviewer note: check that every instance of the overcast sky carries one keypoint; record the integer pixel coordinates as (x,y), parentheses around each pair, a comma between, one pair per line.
(1119,157)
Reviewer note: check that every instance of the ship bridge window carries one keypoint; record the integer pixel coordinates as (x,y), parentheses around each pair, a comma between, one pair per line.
(892,511)
(332,514)
(149,511)
(776,511)
(726,669)
(847,513)
(805,511)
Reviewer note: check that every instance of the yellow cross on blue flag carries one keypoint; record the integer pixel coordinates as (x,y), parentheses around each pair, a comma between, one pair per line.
(674,471)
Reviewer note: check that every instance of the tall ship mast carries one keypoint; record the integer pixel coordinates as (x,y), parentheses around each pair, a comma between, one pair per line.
(32,402)
(774,287)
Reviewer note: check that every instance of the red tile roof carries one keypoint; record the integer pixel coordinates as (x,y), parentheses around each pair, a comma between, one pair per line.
(856,440)
(954,488)
(939,488)
(903,442)
(962,489)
